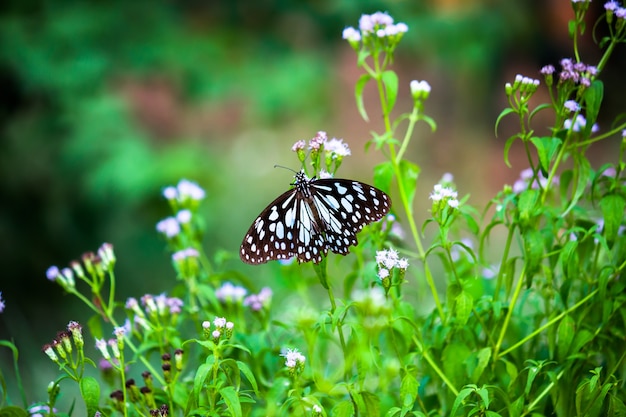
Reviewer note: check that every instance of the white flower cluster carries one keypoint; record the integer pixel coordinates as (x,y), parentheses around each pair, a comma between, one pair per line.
(379,24)
(387,260)
(293,359)
(448,194)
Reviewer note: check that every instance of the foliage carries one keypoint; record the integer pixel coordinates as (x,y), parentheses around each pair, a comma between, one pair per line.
(539,333)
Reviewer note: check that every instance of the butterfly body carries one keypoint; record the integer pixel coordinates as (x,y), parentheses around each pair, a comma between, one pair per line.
(315,216)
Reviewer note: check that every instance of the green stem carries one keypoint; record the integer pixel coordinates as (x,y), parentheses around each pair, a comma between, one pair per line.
(509,314)
(553,321)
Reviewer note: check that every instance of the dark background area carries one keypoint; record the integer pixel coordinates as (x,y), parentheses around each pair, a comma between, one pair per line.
(105,103)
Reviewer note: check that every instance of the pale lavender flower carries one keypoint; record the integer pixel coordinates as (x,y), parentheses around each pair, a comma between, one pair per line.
(620,13)
(40,410)
(611,5)
(2,303)
(337,147)
(170,193)
(183,254)
(351,34)
(572,106)
(230,293)
(293,358)
(219,322)
(190,189)
(323,174)
(52,273)
(183,216)
(169,227)
(319,139)
(547,70)
(298,146)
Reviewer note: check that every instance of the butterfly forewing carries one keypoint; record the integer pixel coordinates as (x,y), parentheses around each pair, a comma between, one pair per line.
(312,218)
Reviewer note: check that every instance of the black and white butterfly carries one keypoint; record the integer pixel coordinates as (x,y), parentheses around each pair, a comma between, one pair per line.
(311,218)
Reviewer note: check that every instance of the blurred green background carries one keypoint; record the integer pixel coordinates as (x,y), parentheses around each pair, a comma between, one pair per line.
(105,103)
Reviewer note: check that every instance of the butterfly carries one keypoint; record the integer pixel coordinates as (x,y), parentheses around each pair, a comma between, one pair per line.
(315,216)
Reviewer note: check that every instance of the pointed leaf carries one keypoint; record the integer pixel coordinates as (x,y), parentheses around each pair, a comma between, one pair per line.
(229,395)
(90,391)
(593,99)
(546,149)
(390,80)
(612,206)
(409,172)
(358,94)
(383,175)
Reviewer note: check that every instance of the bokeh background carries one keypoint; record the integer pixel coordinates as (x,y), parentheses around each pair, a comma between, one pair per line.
(104,103)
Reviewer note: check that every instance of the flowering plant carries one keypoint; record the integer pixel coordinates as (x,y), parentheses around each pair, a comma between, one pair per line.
(539,332)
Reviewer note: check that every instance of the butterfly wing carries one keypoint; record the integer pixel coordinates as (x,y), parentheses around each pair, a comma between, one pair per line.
(345,207)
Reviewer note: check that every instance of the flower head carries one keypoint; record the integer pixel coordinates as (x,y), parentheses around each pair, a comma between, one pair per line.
(169,227)
(294,360)
(230,293)
(2,303)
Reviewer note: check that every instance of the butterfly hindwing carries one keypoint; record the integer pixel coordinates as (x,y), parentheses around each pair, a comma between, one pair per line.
(312,218)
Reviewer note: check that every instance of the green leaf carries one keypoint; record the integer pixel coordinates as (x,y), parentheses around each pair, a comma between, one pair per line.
(390,80)
(504,112)
(507,148)
(358,94)
(458,401)
(343,409)
(383,175)
(371,402)
(483,357)
(570,261)
(527,205)
(593,99)
(13,411)
(533,252)
(410,172)
(584,168)
(201,375)
(612,206)
(565,336)
(245,370)
(229,395)
(463,307)
(408,390)
(90,391)
(547,147)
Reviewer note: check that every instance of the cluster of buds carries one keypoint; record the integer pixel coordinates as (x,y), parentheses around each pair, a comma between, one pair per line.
(388,261)
(329,151)
(229,293)
(61,349)
(420,90)
(372,303)
(377,32)
(444,199)
(524,86)
(572,73)
(116,345)
(614,10)
(92,269)
(187,262)
(186,195)
(258,302)
(528,179)
(223,329)
(166,364)
(294,361)
(141,396)
(157,309)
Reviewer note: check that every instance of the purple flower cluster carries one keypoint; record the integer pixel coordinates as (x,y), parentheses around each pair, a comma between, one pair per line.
(576,72)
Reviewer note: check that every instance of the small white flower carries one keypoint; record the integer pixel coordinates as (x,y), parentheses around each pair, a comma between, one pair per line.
(183,216)
(219,322)
(293,358)
(190,189)
(351,34)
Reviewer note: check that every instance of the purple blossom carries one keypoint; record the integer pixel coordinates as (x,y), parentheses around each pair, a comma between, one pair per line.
(169,227)
(547,70)
(183,254)
(190,189)
(230,293)
(337,147)
(620,13)
(2,303)
(611,5)
(52,273)
(351,34)
(572,106)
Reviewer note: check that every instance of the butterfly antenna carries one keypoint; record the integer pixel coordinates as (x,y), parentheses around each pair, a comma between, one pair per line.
(284,167)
